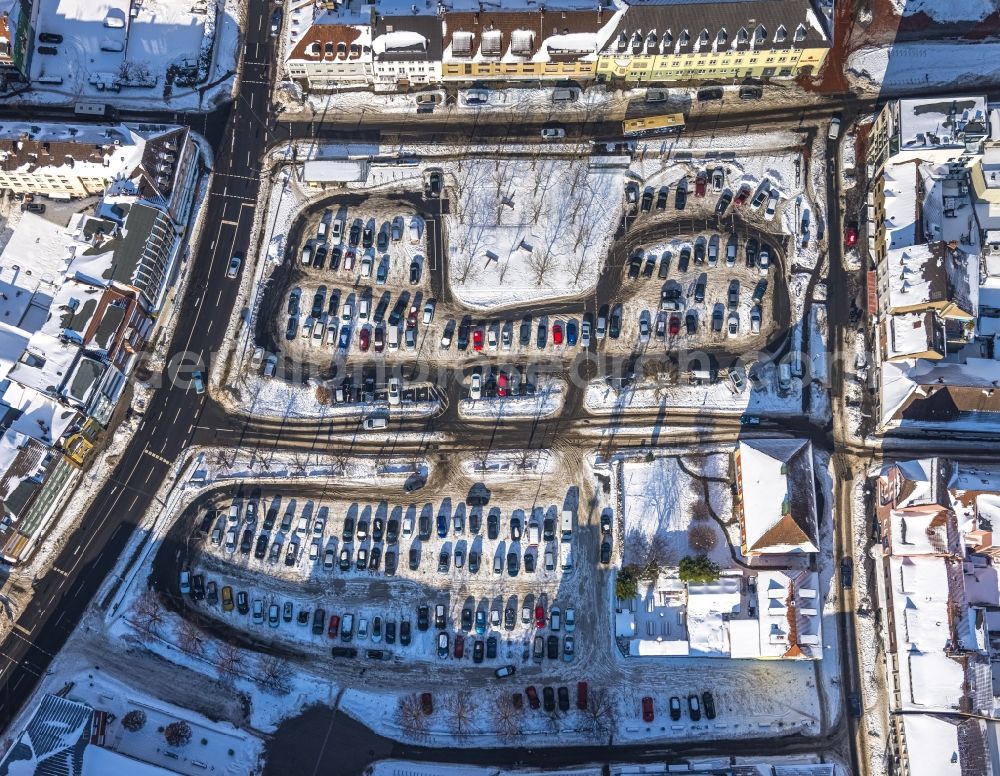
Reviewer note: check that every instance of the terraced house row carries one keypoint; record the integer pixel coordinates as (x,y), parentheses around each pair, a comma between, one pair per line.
(398,45)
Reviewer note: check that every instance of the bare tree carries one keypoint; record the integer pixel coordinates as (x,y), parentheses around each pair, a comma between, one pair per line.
(148,614)
(410,716)
(600,713)
(227,661)
(702,537)
(274,675)
(462,712)
(189,638)
(553,720)
(508,719)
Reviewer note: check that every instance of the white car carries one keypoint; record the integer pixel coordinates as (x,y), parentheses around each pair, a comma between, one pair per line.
(569,620)
(476,387)
(772,204)
(734,324)
(234,267)
(429,311)
(553,133)
(393,391)
(258,611)
(416,227)
(366,266)
(491,336)
(764,260)
(755,320)
(347,311)
(317,332)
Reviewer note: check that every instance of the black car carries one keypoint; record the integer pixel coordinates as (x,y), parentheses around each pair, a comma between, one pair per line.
(348,533)
(335,255)
(634,266)
(444,562)
(543,334)
(414,272)
(513,565)
(467,618)
(434,184)
(650,266)
(529,562)
(260,549)
(391,562)
(475,521)
(548,699)
(319,621)
(414,558)
(493,523)
(320,260)
(647,199)
(694,707)
(477,651)
(473,562)
(374,558)
(552,647)
(375,654)
(691,321)
(724,202)
(242,603)
(699,251)
(424,527)
(404,633)
(292,328)
(390,632)
(751,251)
(714,93)
(368,235)
(378,529)
(563,694)
(270,517)
(708,704)
(680,196)
(423,617)
(354,236)
(606,521)
(246,543)
(392,531)
(846,572)
(50,37)
(198,587)
(464,328)
(661,198)
(615,324)
(549,529)
(606,552)
(509,617)
(751,92)
(344,652)
(524,336)
(515,529)
(491,648)
(684,260)
(664,266)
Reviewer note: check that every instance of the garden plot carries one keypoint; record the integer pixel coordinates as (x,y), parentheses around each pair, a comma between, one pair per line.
(527,229)
(670,509)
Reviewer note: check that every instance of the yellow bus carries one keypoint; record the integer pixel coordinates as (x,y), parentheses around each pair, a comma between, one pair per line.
(668,123)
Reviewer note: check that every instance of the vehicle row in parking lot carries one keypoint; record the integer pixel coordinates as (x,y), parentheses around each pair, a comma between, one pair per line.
(695,706)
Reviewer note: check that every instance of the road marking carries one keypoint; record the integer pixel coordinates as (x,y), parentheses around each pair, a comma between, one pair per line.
(76,549)
(177,414)
(160,458)
(22,629)
(230,222)
(60,571)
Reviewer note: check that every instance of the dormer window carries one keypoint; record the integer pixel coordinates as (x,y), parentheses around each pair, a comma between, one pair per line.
(761,34)
(703,38)
(722,37)
(315,48)
(622,40)
(355,50)
(667,38)
(637,39)
(742,36)
(781,35)
(341,49)
(328,49)
(800,33)
(492,43)
(521,42)
(685,38)
(461,44)
(651,40)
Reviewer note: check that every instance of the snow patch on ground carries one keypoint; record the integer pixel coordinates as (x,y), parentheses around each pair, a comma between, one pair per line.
(925,63)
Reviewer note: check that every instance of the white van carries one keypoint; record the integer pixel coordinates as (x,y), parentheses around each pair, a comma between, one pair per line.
(564,95)
(303,526)
(566,553)
(307,254)
(566,526)
(392,337)
(834,128)
(374,423)
(347,627)
(784,376)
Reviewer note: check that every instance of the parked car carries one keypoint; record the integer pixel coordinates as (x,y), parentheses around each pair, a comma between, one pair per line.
(647,709)
(694,707)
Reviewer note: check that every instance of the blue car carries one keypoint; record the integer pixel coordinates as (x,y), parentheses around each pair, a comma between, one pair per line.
(750,420)
(442,526)
(345,337)
(571,331)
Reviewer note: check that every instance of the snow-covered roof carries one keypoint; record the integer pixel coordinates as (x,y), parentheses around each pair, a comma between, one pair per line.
(916,275)
(923,609)
(789,614)
(941,122)
(88,150)
(910,389)
(932,746)
(53,740)
(911,335)
(338,170)
(99,761)
(778,496)
(13,341)
(901,203)
(46,364)
(41,417)
(39,248)
(709,606)
(922,531)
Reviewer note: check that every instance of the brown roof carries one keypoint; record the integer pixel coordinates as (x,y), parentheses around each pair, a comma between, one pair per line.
(544,24)
(941,403)
(331,39)
(39,153)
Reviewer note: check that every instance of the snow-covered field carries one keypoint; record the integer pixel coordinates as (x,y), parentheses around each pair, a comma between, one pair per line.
(526,229)
(927,63)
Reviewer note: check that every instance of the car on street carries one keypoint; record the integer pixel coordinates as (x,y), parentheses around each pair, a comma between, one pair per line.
(234,266)
(851,235)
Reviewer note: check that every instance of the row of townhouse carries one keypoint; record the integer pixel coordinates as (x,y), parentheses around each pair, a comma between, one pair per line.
(939,595)
(933,212)
(78,302)
(396,46)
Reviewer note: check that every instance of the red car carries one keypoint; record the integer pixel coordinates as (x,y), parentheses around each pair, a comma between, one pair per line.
(675,324)
(851,235)
(334,626)
(349,259)
(411,317)
(539,616)
(379,339)
(427,703)
(365,338)
(532,694)
(647,709)
(557,334)
(581,695)
(699,184)
(459,646)
(477,338)
(502,384)
(743,195)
